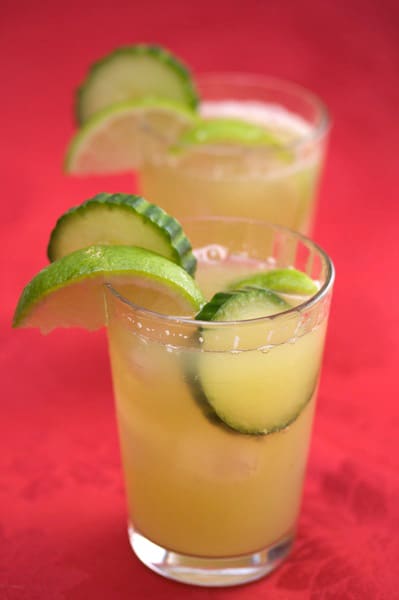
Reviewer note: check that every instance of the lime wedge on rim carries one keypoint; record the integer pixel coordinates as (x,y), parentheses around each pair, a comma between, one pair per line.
(121,219)
(121,136)
(134,73)
(285,281)
(69,292)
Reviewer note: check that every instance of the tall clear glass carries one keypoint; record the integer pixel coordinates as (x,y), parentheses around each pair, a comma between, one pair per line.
(208,504)
(280,187)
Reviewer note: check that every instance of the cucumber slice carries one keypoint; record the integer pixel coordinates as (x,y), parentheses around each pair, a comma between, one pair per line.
(238,305)
(121,220)
(134,72)
(255,392)
(285,281)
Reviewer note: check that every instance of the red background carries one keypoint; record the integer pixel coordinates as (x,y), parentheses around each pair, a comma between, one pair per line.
(62,528)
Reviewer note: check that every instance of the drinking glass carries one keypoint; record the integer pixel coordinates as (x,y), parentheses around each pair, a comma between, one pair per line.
(239,180)
(210,504)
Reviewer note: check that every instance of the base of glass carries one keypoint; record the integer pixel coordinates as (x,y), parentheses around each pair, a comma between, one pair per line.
(213,572)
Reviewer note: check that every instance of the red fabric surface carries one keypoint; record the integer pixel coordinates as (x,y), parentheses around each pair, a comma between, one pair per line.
(62,511)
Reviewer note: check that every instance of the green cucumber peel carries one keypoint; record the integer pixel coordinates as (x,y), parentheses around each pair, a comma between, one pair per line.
(166,229)
(160,55)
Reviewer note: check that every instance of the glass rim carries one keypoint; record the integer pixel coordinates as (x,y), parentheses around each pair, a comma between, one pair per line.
(317,131)
(191,321)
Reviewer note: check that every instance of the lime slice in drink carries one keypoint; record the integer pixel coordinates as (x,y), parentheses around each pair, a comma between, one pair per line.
(121,136)
(229,132)
(134,73)
(285,281)
(69,292)
(259,390)
(121,219)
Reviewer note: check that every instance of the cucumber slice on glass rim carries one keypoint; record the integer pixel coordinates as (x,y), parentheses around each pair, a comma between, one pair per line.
(121,219)
(132,73)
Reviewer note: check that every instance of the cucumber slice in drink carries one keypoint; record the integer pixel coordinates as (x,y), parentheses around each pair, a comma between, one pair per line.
(121,219)
(69,292)
(133,73)
(239,305)
(285,281)
(254,391)
(120,137)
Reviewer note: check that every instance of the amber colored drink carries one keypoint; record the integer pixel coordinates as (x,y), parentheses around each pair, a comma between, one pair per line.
(240,181)
(208,504)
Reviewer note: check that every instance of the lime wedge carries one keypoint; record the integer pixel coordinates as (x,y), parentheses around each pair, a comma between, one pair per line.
(228,132)
(69,292)
(134,73)
(285,281)
(121,136)
(119,220)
